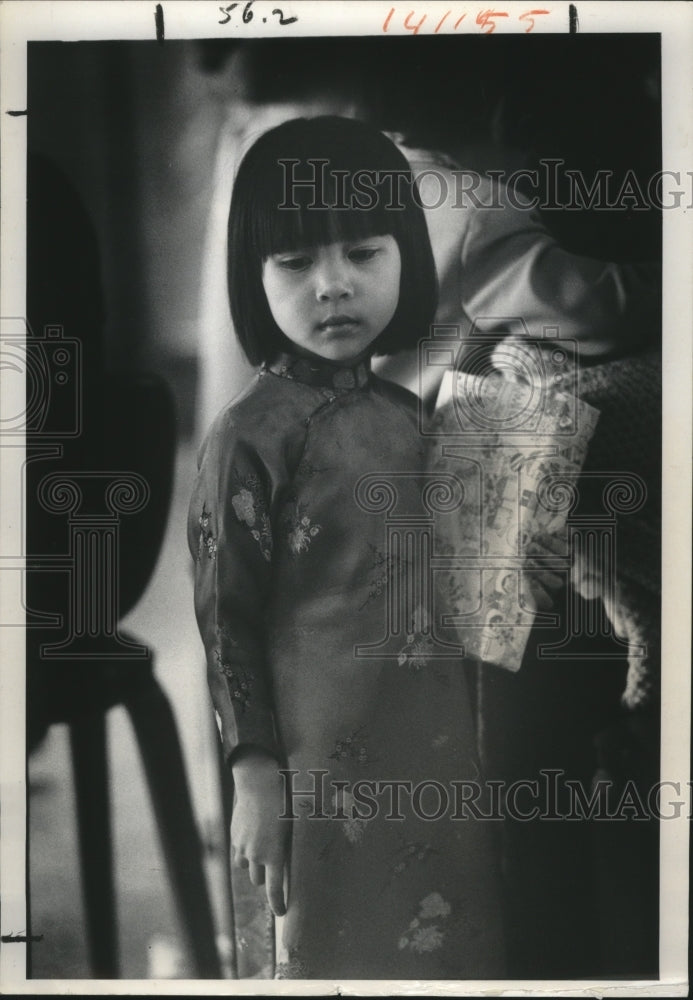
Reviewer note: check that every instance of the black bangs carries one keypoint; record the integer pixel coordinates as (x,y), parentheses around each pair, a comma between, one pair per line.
(304,227)
(299,192)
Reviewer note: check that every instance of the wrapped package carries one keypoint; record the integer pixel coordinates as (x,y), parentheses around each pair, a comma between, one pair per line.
(516,447)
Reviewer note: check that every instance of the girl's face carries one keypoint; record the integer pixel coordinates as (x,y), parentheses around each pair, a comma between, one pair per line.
(333,301)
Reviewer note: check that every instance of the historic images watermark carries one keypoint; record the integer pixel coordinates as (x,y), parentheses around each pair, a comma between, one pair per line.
(551,796)
(550,186)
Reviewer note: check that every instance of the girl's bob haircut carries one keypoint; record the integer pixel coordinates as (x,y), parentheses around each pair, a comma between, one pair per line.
(311,182)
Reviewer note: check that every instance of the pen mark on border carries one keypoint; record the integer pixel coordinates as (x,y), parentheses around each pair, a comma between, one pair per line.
(17,114)
(159,22)
(573,22)
(20,938)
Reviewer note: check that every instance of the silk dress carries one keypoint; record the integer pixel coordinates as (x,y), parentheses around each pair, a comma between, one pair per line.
(306,527)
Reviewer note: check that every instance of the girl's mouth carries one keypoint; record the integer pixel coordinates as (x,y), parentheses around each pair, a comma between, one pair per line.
(337,322)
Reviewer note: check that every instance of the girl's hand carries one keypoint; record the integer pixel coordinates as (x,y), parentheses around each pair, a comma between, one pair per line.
(259,838)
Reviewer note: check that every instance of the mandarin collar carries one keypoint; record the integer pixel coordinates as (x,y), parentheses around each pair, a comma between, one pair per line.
(320,372)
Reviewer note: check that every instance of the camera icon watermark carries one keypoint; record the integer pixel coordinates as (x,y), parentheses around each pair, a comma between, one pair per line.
(42,411)
(42,382)
(511,386)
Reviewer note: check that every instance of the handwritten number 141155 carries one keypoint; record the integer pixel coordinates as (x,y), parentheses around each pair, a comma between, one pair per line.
(247,14)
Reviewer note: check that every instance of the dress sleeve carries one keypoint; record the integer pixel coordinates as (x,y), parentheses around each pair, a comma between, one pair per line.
(230,538)
(512,265)
(496,259)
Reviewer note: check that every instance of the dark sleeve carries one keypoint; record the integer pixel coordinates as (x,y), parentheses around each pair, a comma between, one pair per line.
(513,266)
(230,537)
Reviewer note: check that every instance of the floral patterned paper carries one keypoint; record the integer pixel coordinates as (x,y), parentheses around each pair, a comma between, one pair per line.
(512,480)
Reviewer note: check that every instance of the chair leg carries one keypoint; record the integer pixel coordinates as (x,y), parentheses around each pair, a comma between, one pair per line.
(90,768)
(157,737)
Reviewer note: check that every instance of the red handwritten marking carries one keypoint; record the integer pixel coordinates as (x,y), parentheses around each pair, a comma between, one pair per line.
(442,21)
(414,28)
(530,14)
(483,19)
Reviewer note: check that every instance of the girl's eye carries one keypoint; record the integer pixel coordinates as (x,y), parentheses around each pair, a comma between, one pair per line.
(360,255)
(298,263)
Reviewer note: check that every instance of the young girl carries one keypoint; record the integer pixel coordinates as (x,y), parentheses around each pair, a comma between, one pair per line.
(312,668)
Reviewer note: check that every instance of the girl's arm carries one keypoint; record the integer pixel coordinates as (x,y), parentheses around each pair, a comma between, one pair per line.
(230,537)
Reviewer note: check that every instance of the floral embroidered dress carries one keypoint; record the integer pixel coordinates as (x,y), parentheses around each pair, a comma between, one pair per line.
(307,502)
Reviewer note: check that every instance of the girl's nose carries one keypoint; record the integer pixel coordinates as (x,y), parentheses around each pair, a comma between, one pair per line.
(333,284)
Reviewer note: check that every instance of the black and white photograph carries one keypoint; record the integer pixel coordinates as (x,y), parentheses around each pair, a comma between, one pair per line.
(345,557)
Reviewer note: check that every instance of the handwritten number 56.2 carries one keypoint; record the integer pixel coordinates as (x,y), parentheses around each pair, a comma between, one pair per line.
(247,14)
